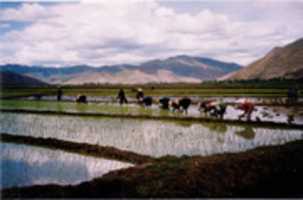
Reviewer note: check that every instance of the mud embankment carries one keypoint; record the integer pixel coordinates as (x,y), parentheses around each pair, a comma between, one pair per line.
(274,171)
(81,148)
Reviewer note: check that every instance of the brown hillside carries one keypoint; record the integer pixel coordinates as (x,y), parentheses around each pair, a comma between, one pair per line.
(286,62)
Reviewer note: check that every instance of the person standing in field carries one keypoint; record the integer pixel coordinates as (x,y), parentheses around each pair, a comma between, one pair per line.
(59,94)
(292,95)
(122,97)
(296,94)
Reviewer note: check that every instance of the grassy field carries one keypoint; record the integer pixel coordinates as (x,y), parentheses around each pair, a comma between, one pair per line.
(114,110)
(203,92)
(250,88)
(70,106)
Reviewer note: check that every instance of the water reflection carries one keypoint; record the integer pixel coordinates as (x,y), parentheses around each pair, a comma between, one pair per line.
(155,138)
(18,173)
(216,127)
(23,165)
(247,132)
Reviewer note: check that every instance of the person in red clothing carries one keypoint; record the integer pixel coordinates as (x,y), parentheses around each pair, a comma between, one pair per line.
(213,108)
(181,104)
(207,106)
(248,108)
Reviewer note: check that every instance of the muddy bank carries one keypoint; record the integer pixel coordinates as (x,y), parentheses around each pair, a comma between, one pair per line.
(160,118)
(81,148)
(275,171)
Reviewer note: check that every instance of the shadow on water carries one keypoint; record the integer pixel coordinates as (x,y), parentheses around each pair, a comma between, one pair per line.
(247,133)
(183,123)
(216,127)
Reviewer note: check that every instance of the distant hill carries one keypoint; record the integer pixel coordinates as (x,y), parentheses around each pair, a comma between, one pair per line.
(179,68)
(132,77)
(47,74)
(11,79)
(196,67)
(281,62)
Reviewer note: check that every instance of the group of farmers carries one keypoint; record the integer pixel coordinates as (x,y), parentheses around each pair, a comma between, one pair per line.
(215,108)
(211,107)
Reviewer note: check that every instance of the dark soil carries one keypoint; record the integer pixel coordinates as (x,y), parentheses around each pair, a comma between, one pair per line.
(81,148)
(274,171)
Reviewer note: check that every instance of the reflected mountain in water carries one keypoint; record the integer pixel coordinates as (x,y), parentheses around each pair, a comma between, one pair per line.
(247,133)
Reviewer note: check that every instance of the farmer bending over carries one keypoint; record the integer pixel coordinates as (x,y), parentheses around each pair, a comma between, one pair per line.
(247,107)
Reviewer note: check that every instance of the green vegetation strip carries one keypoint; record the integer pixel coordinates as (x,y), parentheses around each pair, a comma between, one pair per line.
(273,171)
(81,148)
(158,91)
(271,102)
(161,118)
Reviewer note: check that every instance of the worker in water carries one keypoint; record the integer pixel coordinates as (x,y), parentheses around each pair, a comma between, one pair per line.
(292,95)
(247,107)
(139,95)
(295,94)
(164,103)
(289,95)
(220,109)
(213,108)
(59,94)
(122,97)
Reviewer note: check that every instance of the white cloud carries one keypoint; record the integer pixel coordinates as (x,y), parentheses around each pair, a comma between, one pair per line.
(113,32)
(27,12)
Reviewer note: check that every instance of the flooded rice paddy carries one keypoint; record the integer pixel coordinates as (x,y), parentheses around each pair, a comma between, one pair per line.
(148,137)
(23,165)
(264,113)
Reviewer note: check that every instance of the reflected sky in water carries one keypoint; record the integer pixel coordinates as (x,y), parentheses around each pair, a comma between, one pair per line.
(155,138)
(23,165)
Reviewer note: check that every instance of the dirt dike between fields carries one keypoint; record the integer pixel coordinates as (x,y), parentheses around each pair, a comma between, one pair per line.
(272,171)
(80,148)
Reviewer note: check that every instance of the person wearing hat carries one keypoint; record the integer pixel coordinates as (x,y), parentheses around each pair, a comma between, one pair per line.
(140,95)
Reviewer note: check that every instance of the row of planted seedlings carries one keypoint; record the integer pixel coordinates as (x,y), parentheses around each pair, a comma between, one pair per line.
(263,115)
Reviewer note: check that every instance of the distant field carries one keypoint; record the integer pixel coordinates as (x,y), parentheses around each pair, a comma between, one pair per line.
(249,88)
(203,92)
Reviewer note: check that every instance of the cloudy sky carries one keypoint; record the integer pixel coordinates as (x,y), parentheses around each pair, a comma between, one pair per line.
(112,32)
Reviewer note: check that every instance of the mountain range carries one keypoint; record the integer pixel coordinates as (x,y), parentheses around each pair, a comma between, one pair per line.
(173,69)
(280,62)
